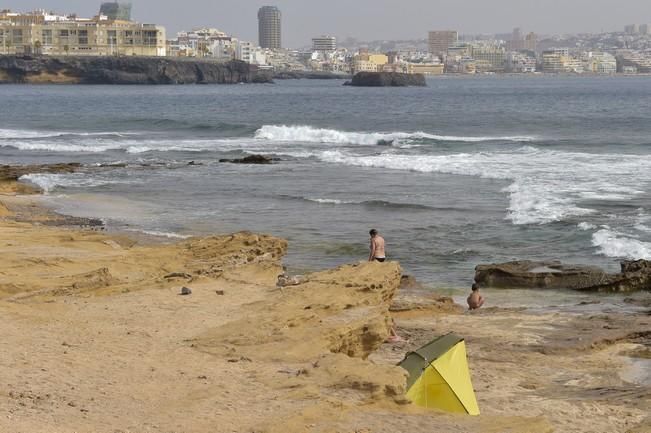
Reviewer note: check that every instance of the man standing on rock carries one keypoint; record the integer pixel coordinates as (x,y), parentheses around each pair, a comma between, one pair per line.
(377,247)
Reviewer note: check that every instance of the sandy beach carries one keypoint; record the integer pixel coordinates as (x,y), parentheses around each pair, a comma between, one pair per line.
(97,338)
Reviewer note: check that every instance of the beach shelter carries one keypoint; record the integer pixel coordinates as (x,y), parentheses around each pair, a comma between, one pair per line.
(439,376)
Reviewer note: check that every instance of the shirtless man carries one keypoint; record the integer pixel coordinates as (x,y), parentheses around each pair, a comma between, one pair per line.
(475,300)
(377,247)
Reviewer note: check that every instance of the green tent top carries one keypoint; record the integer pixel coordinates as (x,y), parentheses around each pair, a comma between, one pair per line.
(439,377)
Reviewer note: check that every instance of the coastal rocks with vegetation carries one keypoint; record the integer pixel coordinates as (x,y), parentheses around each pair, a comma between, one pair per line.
(634,276)
(386,79)
(126,70)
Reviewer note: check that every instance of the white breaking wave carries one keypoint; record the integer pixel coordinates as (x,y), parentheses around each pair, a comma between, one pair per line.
(100,145)
(49,182)
(546,185)
(585,226)
(269,138)
(329,201)
(613,244)
(10,134)
(309,134)
(157,233)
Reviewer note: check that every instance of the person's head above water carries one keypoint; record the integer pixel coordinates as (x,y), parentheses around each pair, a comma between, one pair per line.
(475,287)
(373,232)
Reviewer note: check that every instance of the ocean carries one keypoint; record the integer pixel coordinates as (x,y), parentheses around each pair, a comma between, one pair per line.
(465,171)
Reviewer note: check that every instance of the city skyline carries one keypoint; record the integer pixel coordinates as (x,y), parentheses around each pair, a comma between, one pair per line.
(380,20)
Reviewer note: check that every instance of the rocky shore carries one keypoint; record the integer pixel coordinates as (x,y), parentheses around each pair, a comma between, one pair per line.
(97,338)
(125,70)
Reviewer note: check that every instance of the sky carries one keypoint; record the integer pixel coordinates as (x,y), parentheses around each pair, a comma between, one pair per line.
(372,19)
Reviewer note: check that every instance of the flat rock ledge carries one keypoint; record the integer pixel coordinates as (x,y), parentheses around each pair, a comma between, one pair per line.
(634,276)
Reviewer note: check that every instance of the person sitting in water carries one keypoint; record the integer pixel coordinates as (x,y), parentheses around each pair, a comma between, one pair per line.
(377,247)
(475,300)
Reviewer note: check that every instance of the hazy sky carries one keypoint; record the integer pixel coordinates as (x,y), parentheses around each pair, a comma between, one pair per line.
(373,19)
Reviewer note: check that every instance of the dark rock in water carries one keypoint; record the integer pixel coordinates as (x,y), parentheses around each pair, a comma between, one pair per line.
(251,159)
(387,79)
(185,291)
(385,142)
(635,275)
(309,75)
(126,70)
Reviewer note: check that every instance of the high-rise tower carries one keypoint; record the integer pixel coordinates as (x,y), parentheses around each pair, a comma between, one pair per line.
(269,29)
(116,11)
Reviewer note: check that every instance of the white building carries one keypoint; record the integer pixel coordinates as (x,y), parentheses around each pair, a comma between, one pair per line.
(324,44)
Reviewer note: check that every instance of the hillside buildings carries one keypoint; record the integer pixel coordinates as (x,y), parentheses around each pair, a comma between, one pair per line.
(269,27)
(46,33)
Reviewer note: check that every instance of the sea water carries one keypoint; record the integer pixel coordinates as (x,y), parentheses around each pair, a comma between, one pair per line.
(463,172)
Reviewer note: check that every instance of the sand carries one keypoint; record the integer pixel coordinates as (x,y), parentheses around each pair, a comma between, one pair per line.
(97,338)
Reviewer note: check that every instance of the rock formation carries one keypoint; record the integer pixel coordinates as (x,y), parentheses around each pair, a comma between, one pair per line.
(387,79)
(9,175)
(634,275)
(251,159)
(125,70)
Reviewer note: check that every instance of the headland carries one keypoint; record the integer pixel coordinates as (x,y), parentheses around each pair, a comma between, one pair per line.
(125,70)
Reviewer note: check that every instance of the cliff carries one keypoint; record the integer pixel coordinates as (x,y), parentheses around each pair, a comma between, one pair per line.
(125,70)
(387,79)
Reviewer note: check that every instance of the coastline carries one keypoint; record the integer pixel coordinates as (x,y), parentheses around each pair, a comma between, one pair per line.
(97,338)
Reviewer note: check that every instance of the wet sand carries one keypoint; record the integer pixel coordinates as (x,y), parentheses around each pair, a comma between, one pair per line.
(96,338)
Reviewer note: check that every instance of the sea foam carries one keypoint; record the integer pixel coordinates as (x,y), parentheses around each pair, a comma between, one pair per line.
(50,182)
(614,244)
(546,185)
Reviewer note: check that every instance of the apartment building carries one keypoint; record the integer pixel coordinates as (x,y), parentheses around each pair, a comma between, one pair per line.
(43,33)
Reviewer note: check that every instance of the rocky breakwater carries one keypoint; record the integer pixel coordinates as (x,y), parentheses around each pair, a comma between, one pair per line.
(634,276)
(125,70)
(386,79)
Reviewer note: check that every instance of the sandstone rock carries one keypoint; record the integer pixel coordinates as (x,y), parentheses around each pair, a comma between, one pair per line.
(185,291)
(635,275)
(408,282)
(387,79)
(14,172)
(93,280)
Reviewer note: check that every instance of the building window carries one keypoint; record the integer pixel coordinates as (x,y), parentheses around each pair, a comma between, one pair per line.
(63,33)
(128,37)
(17,36)
(112,37)
(46,35)
(149,37)
(83,37)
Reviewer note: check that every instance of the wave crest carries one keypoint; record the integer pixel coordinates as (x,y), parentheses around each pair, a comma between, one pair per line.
(309,134)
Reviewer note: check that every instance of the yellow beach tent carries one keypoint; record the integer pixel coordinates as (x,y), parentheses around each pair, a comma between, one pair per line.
(439,376)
